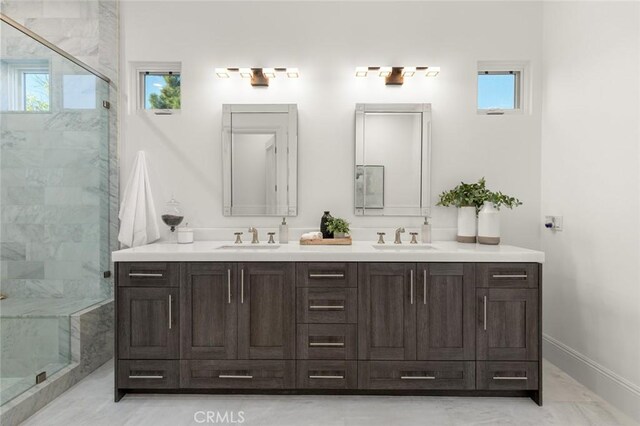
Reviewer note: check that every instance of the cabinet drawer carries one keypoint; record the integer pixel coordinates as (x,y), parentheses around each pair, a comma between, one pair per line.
(331,274)
(148,374)
(327,374)
(507,275)
(206,374)
(416,375)
(501,375)
(327,305)
(153,274)
(326,341)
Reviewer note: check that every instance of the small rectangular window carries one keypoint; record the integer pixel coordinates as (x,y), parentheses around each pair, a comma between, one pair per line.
(501,88)
(160,90)
(25,85)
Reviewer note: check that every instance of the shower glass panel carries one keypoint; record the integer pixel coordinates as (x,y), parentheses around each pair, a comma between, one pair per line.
(54,213)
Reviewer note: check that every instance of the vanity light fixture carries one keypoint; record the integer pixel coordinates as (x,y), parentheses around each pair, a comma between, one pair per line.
(394,76)
(259,76)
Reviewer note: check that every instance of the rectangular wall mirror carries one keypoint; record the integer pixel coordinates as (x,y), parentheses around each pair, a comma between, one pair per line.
(392,161)
(260,157)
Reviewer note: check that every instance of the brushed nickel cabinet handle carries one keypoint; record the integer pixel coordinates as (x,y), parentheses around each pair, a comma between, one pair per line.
(509,276)
(411,288)
(229,286)
(326,377)
(146,377)
(424,287)
(326,307)
(234,376)
(484,319)
(326,275)
(144,275)
(327,344)
(417,377)
(509,378)
(170,303)
(241,285)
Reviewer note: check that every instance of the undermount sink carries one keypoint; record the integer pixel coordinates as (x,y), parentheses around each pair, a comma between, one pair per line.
(407,247)
(250,247)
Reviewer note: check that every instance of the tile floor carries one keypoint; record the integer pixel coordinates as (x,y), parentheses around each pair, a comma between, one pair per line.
(90,402)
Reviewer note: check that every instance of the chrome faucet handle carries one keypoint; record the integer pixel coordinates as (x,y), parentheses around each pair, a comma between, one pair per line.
(238,239)
(414,235)
(254,238)
(398,232)
(271,234)
(381,237)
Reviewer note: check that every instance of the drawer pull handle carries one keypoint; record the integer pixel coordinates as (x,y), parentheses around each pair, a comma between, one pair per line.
(510,276)
(326,275)
(327,344)
(417,377)
(327,377)
(146,377)
(326,307)
(144,275)
(170,319)
(228,286)
(242,285)
(509,378)
(234,376)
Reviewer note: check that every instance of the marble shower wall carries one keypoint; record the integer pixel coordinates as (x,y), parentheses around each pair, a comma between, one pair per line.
(54,159)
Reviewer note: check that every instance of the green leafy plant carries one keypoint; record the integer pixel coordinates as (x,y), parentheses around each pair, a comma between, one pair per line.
(337,225)
(475,195)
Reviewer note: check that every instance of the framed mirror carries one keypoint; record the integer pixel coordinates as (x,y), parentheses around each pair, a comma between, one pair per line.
(260,157)
(392,159)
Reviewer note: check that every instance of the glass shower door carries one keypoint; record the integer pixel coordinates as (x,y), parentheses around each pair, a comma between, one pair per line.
(54,205)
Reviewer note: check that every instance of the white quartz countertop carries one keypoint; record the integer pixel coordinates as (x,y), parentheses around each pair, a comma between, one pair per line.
(360,251)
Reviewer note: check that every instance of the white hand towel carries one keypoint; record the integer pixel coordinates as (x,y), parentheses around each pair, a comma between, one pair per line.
(138,221)
(311,236)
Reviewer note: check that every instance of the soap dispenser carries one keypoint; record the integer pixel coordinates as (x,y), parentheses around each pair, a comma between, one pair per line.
(284,232)
(426,231)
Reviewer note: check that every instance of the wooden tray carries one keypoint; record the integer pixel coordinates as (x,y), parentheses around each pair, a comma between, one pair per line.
(327,242)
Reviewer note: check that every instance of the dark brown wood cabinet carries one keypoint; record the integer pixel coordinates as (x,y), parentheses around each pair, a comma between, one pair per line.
(266,311)
(387,311)
(421,328)
(507,324)
(446,311)
(209,311)
(148,323)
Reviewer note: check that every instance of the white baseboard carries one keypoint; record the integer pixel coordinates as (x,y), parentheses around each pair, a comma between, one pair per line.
(612,387)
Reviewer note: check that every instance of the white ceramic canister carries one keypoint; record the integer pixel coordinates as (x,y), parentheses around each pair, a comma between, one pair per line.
(466,225)
(489,224)
(185,235)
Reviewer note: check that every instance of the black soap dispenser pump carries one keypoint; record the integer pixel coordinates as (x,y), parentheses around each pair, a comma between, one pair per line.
(323,225)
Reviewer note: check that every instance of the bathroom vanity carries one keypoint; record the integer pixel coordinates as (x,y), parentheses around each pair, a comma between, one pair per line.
(443,319)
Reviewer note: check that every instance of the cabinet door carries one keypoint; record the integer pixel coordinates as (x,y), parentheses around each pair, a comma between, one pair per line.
(209,309)
(446,311)
(387,311)
(266,311)
(148,323)
(507,324)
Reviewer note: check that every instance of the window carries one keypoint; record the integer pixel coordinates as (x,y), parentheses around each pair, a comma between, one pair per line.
(79,91)
(158,85)
(25,86)
(501,88)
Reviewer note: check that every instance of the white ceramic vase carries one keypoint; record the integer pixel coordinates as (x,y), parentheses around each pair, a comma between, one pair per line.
(489,224)
(466,225)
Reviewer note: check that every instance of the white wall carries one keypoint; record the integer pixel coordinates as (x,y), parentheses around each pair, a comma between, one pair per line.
(591,175)
(327,41)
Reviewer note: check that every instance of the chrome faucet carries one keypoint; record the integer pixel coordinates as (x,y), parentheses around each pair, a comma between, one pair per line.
(254,238)
(398,232)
